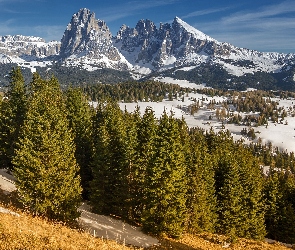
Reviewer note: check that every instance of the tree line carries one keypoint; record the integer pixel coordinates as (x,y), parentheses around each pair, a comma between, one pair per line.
(133,91)
(155,172)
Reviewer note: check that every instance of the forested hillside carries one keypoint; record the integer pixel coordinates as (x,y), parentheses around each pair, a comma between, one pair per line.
(157,173)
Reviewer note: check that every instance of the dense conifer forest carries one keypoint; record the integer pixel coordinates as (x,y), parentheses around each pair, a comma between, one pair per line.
(157,173)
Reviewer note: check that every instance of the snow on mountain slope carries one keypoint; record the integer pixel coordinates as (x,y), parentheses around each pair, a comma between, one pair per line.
(88,39)
(181,45)
(88,43)
(19,45)
(196,33)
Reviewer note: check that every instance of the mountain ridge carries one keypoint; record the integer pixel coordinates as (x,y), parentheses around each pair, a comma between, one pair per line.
(88,43)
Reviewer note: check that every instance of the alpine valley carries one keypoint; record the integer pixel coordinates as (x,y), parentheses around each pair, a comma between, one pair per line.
(88,52)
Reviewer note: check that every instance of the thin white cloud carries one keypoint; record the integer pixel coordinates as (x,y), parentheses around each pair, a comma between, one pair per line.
(205,12)
(7,27)
(47,32)
(269,28)
(265,12)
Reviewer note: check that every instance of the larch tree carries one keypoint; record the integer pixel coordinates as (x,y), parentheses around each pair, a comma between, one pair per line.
(47,175)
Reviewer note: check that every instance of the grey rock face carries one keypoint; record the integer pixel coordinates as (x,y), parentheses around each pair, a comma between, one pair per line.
(19,45)
(87,36)
(156,45)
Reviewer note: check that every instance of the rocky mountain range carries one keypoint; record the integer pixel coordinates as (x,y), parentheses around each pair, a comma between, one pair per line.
(87,43)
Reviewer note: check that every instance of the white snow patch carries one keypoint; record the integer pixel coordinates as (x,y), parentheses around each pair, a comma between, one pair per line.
(280,135)
(188,68)
(195,32)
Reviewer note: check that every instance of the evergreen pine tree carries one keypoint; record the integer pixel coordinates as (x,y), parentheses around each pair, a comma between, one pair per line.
(13,110)
(146,134)
(79,115)
(110,184)
(253,209)
(280,211)
(229,201)
(201,201)
(134,202)
(165,184)
(45,167)
(239,190)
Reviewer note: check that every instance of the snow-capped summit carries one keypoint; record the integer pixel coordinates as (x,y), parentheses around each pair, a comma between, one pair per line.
(180,24)
(166,46)
(87,42)
(179,44)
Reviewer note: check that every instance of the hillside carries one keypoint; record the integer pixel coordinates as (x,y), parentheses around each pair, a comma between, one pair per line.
(19,230)
(27,232)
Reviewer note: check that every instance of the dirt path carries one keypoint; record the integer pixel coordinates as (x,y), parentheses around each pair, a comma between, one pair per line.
(110,228)
(6,182)
(98,225)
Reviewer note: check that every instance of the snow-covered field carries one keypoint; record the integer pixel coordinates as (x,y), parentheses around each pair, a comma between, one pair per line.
(280,135)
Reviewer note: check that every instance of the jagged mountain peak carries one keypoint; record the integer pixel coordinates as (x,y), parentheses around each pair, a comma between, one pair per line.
(90,39)
(164,46)
(83,15)
(145,27)
(83,33)
(180,24)
(87,42)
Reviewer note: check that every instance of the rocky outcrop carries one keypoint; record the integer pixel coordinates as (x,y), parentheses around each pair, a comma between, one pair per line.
(86,35)
(88,43)
(177,41)
(19,45)
(179,44)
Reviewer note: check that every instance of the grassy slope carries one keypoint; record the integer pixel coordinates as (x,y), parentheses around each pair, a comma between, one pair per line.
(27,232)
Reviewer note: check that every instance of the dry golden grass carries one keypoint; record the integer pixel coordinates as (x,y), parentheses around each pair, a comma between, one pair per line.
(27,232)
(214,242)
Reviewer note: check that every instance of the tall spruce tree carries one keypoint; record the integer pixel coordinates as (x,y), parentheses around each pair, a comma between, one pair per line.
(45,167)
(239,189)
(201,199)
(80,115)
(13,110)
(146,135)
(253,208)
(280,210)
(165,184)
(134,202)
(110,168)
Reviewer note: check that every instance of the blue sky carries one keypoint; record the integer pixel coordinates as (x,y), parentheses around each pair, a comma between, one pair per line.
(263,25)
